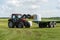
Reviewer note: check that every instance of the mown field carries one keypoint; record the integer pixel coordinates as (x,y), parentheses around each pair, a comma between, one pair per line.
(33,33)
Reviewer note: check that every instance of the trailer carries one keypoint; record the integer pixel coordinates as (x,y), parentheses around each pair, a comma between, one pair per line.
(43,24)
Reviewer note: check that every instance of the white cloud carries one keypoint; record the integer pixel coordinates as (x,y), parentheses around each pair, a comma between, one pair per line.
(58,4)
(50,13)
(14,2)
(44,0)
(58,0)
(32,0)
(35,6)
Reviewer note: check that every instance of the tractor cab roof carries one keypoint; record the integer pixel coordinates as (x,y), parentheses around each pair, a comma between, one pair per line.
(16,14)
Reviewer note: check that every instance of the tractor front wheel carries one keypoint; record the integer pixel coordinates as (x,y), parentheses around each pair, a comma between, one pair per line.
(10,24)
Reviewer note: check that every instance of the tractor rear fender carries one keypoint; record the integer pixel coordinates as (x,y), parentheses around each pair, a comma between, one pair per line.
(10,20)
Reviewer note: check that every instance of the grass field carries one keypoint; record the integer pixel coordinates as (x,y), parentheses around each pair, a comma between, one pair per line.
(33,33)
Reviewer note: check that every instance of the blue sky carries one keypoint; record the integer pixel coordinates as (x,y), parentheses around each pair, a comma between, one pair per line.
(47,8)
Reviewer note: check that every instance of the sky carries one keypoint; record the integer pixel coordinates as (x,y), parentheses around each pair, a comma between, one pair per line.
(45,8)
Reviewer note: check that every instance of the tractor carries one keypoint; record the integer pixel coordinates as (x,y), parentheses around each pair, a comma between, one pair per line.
(18,21)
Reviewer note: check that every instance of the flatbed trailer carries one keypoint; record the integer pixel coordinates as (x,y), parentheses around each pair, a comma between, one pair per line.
(44,24)
(48,24)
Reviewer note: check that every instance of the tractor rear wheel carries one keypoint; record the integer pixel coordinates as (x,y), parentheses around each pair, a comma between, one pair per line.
(27,25)
(20,25)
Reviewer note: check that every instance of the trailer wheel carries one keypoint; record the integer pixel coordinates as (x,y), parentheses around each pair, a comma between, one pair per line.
(51,24)
(54,23)
(27,25)
(54,26)
(20,25)
(10,24)
(42,25)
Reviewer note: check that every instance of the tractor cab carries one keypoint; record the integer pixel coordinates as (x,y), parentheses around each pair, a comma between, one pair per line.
(15,16)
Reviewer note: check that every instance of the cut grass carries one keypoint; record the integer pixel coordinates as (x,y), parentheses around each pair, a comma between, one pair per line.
(33,33)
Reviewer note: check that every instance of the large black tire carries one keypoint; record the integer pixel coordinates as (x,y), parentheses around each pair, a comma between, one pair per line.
(52,24)
(10,24)
(42,25)
(27,25)
(20,25)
